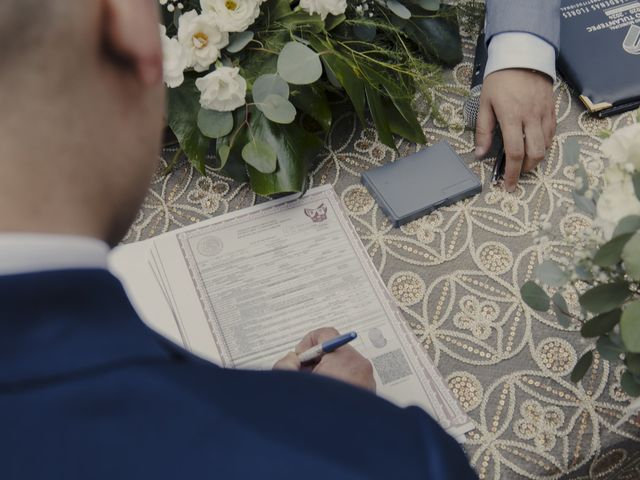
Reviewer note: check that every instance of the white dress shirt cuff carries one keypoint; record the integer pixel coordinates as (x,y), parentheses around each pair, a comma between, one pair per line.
(521,50)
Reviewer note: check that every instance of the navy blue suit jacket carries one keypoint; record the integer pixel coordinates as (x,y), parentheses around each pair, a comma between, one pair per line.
(87,391)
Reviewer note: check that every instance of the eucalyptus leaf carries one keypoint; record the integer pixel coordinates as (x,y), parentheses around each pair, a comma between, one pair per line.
(610,253)
(583,272)
(432,5)
(608,349)
(561,310)
(571,151)
(366,33)
(534,296)
(278,109)
(605,298)
(582,366)
(585,204)
(630,224)
(550,273)
(237,41)
(601,324)
(298,64)
(269,84)
(630,327)
(631,256)
(629,385)
(399,9)
(214,124)
(260,156)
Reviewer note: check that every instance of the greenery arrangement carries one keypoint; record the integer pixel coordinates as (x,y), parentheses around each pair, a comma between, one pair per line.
(605,269)
(249,80)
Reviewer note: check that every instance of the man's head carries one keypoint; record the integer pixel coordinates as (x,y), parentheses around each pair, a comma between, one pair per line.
(81,114)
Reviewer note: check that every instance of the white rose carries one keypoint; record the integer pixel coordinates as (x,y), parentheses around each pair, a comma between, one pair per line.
(201,39)
(624,146)
(324,7)
(618,200)
(222,90)
(233,15)
(174,60)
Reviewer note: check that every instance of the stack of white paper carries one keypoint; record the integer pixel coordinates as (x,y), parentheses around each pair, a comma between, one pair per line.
(243,289)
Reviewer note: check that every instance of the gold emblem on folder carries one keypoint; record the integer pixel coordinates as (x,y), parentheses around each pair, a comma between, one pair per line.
(594,107)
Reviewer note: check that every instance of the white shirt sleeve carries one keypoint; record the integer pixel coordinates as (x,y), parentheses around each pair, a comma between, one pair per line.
(521,50)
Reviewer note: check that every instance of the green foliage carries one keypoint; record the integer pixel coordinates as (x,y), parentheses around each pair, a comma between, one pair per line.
(605,298)
(534,296)
(550,273)
(610,253)
(601,324)
(291,60)
(582,366)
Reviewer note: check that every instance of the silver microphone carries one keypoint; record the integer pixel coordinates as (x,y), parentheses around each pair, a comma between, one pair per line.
(472,106)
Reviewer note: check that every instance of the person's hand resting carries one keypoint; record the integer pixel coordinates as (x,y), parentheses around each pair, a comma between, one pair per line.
(521,102)
(345,364)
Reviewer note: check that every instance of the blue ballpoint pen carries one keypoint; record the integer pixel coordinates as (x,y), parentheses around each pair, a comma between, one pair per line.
(329,346)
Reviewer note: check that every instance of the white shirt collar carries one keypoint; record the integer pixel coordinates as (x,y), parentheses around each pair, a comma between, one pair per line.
(28,253)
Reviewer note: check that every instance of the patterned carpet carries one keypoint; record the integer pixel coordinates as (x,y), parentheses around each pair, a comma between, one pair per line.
(456,276)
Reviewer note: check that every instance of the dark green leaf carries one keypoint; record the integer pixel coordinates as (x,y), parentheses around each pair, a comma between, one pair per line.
(610,253)
(632,361)
(332,21)
(534,296)
(312,100)
(294,149)
(379,118)
(571,151)
(366,33)
(631,256)
(215,124)
(601,324)
(605,298)
(298,18)
(437,36)
(629,385)
(630,224)
(608,349)
(561,310)
(183,110)
(630,327)
(298,64)
(352,84)
(550,273)
(582,366)
(223,151)
(403,120)
(260,156)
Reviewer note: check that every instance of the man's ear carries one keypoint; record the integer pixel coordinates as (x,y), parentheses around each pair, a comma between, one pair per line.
(131,34)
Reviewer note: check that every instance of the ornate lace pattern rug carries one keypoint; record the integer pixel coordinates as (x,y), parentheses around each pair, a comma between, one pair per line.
(456,275)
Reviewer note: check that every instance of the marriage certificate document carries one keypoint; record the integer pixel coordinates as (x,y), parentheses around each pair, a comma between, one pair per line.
(243,289)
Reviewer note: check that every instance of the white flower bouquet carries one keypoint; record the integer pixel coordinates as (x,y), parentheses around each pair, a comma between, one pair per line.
(603,274)
(250,80)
